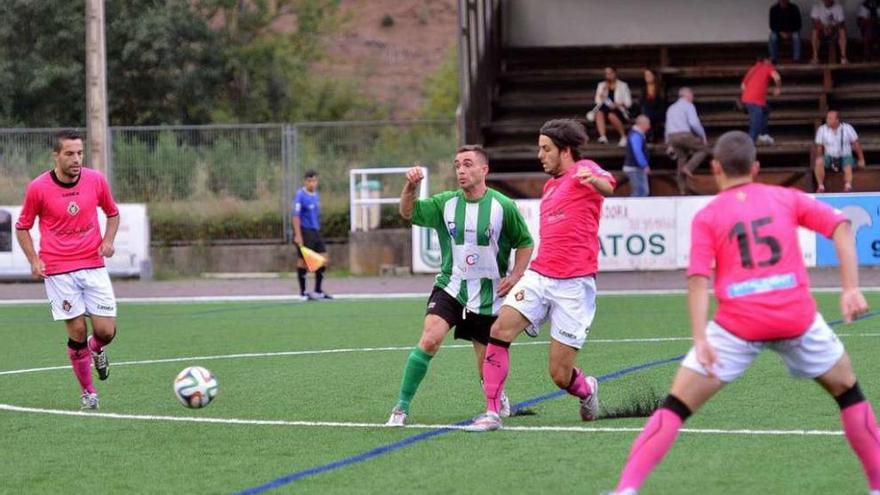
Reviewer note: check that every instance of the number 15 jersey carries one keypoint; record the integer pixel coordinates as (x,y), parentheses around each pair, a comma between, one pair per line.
(761,283)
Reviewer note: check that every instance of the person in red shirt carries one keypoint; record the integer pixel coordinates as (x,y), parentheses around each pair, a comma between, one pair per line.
(750,233)
(71,255)
(560,284)
(754,97)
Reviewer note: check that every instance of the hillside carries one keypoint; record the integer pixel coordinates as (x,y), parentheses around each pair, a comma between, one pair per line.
(391,63)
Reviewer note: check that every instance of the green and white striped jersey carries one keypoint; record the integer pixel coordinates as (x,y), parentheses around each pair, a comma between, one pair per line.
(476,237)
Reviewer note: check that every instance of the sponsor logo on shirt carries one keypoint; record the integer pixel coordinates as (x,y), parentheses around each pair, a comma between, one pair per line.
(471,259)
(73,208)
(69,194)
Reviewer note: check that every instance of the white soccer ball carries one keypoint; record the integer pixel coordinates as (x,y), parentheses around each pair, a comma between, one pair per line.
(195,387)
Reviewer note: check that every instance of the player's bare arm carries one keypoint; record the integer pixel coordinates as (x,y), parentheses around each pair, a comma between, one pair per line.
(297,230)
(857,146)
(852,301)
(38,269)
(414,177)
(698,308)
(520,263)
(107,249)
(586,177)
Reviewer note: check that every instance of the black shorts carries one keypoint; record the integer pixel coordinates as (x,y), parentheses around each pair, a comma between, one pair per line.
(604,109)
(312,240)
(468,325)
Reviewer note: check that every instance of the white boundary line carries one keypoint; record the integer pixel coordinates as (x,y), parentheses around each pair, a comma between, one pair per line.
(393,295)
(365,349)
(334,424)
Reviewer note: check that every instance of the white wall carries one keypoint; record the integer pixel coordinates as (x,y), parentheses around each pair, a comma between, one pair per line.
(638,22)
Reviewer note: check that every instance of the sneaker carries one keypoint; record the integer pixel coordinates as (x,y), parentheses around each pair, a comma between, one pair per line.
(766,139)
(622,142)
(102,363)
(484,422)
(602,140)
(590,405)
(504,412)
(89,401)
(398,417)
(319,296)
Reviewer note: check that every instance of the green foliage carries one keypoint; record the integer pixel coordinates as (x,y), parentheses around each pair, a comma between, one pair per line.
(174,62)
(217,219)
(441,89)
(154,167)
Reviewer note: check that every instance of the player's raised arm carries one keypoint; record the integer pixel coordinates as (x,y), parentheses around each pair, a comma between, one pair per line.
(852,302)
(601,184)
(414,177)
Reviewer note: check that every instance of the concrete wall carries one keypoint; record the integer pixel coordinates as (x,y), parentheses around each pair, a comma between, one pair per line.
(195,260)
(639,22)
(365,254)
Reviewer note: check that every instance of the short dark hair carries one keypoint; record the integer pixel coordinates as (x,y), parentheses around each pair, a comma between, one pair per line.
(65,135)
(310,173)
(735,150)
(566,133)
(477,150)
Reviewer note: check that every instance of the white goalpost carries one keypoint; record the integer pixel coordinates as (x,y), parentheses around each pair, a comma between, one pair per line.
(365,195)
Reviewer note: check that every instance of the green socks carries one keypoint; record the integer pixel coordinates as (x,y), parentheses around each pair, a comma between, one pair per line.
(415,370)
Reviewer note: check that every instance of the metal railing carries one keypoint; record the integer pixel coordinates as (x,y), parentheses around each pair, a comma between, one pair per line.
(479,58)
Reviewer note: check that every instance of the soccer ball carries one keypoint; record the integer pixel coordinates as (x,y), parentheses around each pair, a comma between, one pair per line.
(195,387)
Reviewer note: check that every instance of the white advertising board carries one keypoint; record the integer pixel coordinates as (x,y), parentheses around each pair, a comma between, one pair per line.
(636,234)
(132,242)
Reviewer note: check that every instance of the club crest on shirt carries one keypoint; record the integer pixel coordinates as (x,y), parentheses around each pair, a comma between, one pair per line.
(450,226)
(519,296)
(65,305)
(73,208)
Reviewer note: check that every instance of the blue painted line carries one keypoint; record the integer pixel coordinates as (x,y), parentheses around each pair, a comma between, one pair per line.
(385,449)
(391,447)
(866,316)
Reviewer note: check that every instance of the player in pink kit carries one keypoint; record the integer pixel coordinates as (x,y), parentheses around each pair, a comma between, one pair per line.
(71,257)
(750,231)
(560,284)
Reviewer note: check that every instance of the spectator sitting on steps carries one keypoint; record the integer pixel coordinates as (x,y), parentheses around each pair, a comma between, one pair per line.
(835,142)
(829,25)
(613,100)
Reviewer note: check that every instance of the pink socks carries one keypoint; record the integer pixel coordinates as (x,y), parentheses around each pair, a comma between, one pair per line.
(495,369)
(578,386)
(649,449)
(860,428)
(81,360)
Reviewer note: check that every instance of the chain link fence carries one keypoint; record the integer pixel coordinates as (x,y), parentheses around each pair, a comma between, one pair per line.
(234,183)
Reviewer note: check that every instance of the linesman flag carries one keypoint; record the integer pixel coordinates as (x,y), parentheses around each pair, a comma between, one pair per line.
(314,261)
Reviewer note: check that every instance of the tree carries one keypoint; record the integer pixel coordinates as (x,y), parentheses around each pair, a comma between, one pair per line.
(163,63)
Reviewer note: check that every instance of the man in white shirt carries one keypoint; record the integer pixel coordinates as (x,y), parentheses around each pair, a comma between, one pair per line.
(828,23)
(835,142)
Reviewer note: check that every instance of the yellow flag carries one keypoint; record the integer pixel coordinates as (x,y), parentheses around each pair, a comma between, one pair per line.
(314,261)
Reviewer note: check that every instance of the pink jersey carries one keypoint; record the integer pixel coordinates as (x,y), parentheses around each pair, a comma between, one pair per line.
(761,283)
(69,232)
(570,214)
